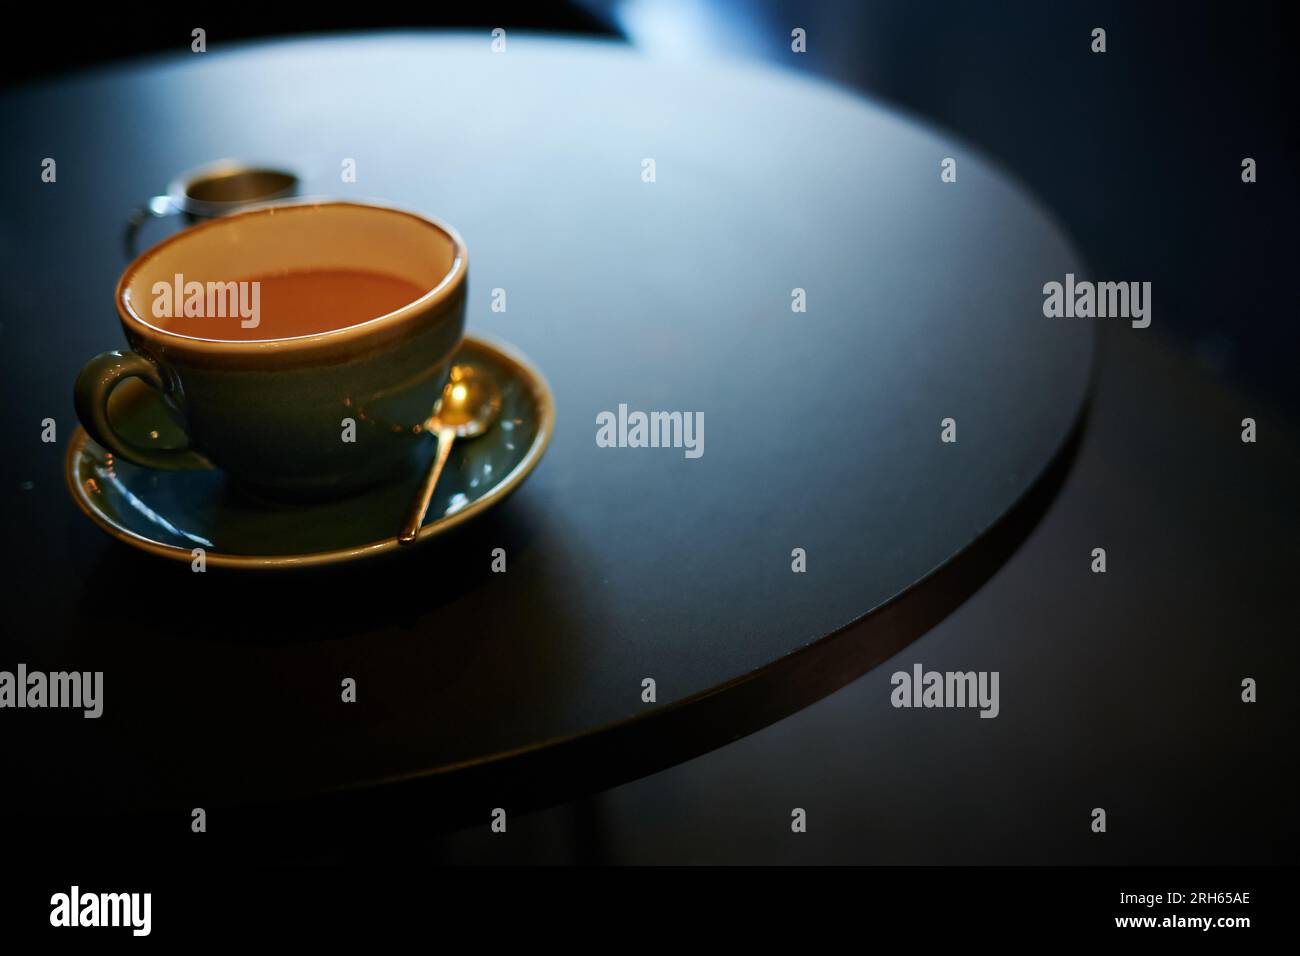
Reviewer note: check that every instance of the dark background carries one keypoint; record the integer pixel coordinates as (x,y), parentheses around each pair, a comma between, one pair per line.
(1139,156)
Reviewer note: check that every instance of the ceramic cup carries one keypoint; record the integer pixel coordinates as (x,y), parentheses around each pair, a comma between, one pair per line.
(216,189)
(274,413)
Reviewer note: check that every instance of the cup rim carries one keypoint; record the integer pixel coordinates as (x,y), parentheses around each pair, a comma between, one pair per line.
(445,289)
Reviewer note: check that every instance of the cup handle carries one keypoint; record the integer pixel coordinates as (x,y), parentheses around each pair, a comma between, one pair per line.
(157,208)
(95,386)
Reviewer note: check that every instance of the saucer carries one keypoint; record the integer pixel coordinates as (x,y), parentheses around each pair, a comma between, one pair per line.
(170,513)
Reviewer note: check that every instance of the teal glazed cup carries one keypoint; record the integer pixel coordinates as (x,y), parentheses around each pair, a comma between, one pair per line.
(274,413)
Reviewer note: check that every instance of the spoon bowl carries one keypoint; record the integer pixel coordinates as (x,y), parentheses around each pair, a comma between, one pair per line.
(470,404)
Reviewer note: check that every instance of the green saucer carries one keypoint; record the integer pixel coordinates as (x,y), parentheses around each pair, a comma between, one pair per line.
(170,513)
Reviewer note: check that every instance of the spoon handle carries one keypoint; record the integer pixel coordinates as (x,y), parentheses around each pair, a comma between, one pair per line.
(415,517)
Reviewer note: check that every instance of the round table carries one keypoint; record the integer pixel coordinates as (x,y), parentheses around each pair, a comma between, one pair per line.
(824,526)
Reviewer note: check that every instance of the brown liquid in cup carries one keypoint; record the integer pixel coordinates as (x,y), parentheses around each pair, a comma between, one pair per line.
(297,303)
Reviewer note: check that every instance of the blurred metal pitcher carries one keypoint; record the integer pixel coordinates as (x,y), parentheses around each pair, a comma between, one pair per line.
(210,191)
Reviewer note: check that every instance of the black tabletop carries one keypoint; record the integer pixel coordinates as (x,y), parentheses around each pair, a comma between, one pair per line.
(822,427)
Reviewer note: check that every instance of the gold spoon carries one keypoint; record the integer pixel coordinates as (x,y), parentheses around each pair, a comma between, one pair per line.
(470,404)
